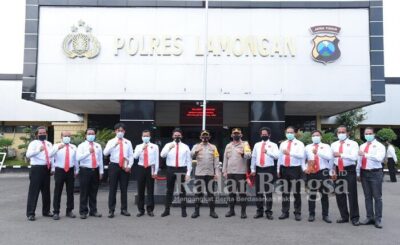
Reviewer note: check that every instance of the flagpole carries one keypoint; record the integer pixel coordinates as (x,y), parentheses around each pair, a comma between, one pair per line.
(205,68)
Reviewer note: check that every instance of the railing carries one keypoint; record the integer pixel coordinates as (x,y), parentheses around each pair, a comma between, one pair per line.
(2,159)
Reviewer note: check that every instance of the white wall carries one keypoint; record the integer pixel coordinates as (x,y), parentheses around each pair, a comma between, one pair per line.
(391,18)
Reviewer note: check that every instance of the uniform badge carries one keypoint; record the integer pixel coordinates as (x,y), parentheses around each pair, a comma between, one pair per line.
(326,48)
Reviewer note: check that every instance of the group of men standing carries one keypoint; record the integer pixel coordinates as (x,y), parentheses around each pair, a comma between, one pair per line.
(343,162)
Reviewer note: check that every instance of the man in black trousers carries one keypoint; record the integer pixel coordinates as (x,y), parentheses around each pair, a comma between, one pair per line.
(39,152)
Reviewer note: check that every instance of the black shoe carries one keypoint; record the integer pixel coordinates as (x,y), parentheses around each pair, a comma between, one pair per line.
(125,213)
(111,214)
(367,221)
(311,218)
(83,216)
(297,217)
(140,214)
(269,216)
(378,224)
(258,215)
(97,215)
(56,216)
(195,214)
(71,215)
(243,215)
(327,219)
(355,222)
(341,221)
(230,213)
(213,214)
(284,216)
(49,214)
(165,213)
(31,218)
(184,214)
(150,213)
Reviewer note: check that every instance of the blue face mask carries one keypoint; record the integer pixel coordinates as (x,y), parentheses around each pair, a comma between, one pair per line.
(369,137)
(66,140)
(290,136)
(342,137)
(316,139)
(146,139)
(120,135)
(91,138)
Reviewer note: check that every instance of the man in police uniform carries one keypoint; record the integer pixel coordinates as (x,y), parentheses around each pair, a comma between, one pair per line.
(65,168)
(39,152)
(234,169)
(121,158)
(369,170)
(207,159)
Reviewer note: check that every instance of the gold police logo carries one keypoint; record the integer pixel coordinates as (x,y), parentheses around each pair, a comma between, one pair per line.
(326,49)
(80,42)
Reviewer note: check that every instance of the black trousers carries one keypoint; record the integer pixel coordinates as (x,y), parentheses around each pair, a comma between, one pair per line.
(292,183)
(392,169)
(117,175)
(145,181)
(172,174)
(265,179)
(204,183)
(237,184)
(39,177)
(372,185)
(89,180)
(60,178)
(318,183)
(348,176)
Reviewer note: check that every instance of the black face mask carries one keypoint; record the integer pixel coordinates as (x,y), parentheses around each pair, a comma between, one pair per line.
(236,137)
(178,139)
(42,137)
(264,138)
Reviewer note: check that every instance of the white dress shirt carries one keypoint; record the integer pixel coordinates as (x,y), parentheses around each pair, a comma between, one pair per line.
(184,158)
(324,154)
(296,154)
(36,156)
(375,156)
(83,155)
(271,155)
(60,154)
(350,152)
(112,149)
(153,153)
(391,153)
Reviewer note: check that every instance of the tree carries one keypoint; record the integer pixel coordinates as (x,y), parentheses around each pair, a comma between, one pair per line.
(351,119)
(386,134)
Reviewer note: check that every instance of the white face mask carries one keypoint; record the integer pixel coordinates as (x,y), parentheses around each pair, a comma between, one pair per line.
(316,139)
(146,139)
(342,137)
(120,135)
(66,139)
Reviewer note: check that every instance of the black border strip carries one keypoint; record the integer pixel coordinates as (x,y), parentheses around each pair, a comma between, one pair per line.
(10,77)
(393,80)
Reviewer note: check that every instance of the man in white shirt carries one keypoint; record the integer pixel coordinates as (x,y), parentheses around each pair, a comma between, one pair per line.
(148,155)
(369,169)
(345,152)
(319,166)
(391,159)
(262,166)
(65,167)
(38,153)
(91,170)
(179,167)
(121,159)
(291,165)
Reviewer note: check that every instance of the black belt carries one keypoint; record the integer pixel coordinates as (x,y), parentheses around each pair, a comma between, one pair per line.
(372,170)
(63,168)
(86,168)
(291,166)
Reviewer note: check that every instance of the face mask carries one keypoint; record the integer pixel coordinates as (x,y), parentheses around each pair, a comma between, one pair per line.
(66,140)
(290,136)
(146,139)
(178,139)
(205,139)
(342,137)
(316,139)
(369,137)
(42,137)
(91,138)
(236,137)
(120,135)
(264,138)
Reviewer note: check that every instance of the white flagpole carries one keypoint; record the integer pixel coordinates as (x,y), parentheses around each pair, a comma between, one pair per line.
(205,68)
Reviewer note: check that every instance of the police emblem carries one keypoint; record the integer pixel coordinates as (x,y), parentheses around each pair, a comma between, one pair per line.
(80,42)
(326,49)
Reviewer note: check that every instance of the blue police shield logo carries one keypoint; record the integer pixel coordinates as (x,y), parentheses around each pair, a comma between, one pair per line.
(326,47)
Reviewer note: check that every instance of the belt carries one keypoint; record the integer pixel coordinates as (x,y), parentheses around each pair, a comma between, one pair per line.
(86,168)
(372,170)
(291,166)
(63,168)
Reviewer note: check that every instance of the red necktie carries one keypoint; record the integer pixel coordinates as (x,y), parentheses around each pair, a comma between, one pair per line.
(146,157)
(262,155)
(287,157)
(316,158)
(94,161)
(177,155)
(340,160)
(46,154)
(66,164)
(364,159)
(121,153)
